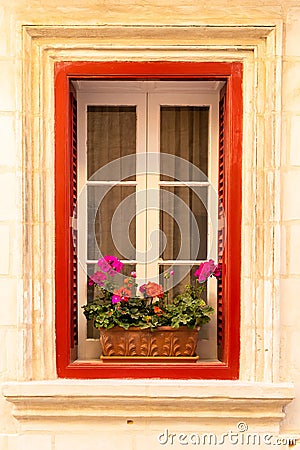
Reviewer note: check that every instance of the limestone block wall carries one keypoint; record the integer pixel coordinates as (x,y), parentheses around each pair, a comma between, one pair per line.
(290,263)
(16,324)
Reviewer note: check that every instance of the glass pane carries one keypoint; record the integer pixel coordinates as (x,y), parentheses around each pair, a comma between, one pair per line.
(175,284)
(111,221)
(111,134)
(183,221)
(184,133)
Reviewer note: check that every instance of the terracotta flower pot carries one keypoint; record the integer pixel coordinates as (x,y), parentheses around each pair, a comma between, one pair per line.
(161,342)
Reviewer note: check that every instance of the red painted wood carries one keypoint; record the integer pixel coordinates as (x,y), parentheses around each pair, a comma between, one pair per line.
(62,224)
(230,72)
(221,232)
(73,232)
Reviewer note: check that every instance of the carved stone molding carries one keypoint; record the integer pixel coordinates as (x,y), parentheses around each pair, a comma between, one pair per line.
(48,405)
(259,47)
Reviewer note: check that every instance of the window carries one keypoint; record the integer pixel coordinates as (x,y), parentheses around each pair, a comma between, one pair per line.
(126,130)
(146,104)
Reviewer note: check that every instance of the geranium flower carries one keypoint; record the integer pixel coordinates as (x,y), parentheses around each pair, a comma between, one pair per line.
(123,293)
(133,274)
(158,311)
(104,266)
(114,262)
(154,290)
(115,299)
(143,288)
(218,271)
(205,270)
(110,264)
(97,278)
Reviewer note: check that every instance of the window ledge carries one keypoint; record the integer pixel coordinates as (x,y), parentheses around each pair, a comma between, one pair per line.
(80,400)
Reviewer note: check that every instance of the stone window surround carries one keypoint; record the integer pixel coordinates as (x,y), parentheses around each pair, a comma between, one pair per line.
(259,47)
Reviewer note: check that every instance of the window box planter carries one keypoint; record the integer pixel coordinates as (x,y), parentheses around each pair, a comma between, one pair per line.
(135,343)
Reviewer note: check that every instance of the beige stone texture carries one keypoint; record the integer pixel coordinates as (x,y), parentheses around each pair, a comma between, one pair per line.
(271,227)
(4,256)
(291,44)
(290,207)
(9,315)
(8,201)
(8,83)
(8,147)
(105,440)
(294,141)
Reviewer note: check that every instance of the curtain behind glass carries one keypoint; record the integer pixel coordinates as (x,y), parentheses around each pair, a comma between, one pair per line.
(111,134)
(184,133)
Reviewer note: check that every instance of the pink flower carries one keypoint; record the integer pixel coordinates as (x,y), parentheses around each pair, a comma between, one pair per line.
(115,263)
(218,271)
(172,272)
(97,278)
(143,288)
(104,266)
(110,264)
(154,290)
(205,270)
(133,274)
(115,299)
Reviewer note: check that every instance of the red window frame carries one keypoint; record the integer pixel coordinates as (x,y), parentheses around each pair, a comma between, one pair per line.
(231,72)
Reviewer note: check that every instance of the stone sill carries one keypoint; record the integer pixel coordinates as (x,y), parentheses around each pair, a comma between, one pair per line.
(189,399)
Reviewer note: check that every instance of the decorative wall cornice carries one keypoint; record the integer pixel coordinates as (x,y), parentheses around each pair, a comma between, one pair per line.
(45,404)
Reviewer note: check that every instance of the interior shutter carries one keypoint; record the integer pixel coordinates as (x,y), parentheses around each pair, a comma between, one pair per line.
(73,227)
(221,231)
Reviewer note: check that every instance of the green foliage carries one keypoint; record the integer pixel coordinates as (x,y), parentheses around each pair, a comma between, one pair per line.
(187,309)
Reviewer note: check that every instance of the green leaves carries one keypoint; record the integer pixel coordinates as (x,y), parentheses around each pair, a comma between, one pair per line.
(187,309)
(117,306)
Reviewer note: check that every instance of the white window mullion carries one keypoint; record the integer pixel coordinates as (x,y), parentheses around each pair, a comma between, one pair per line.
(213,164)
(141,190)
(153,194)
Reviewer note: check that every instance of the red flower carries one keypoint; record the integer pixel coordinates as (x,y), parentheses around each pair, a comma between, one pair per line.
(154,290)
(158,311)
(123,293)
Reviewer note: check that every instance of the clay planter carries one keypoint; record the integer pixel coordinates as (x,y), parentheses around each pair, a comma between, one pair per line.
(161,342)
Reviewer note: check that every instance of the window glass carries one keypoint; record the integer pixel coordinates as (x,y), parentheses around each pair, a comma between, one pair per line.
(184,133)
(111,134)
(183,221)
(111,223)
(183,275)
